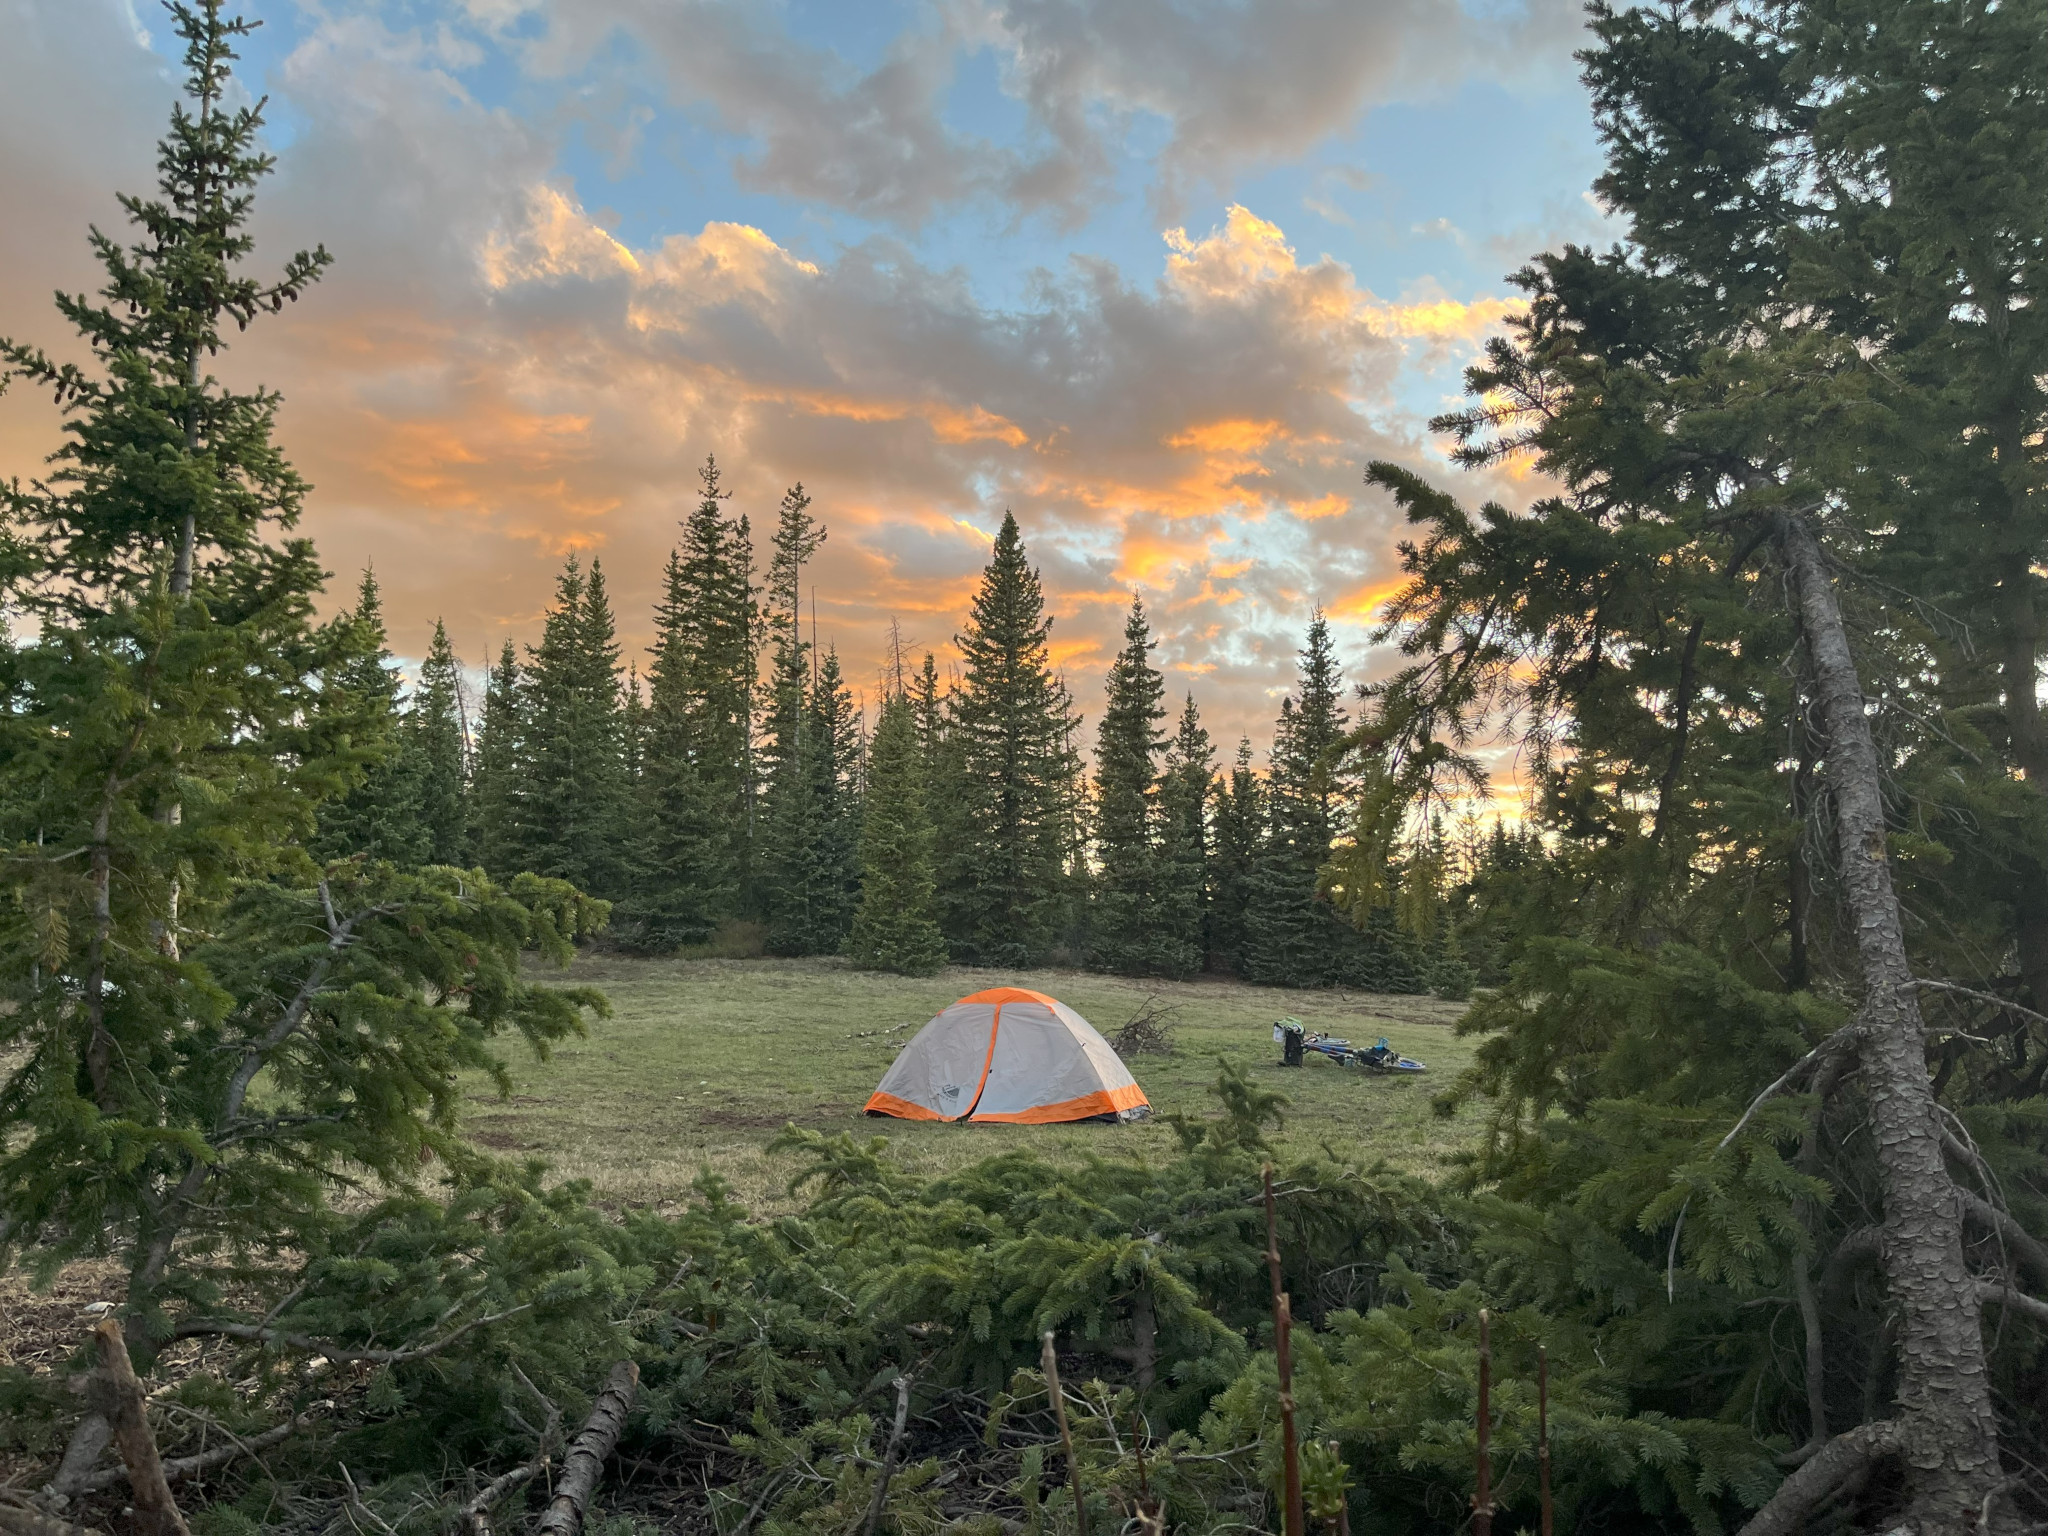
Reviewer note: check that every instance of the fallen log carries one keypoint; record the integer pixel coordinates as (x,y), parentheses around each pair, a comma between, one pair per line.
(584,1464)
(156,1512)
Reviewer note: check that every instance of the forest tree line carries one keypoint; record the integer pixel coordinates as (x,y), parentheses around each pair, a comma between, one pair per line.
(732,792)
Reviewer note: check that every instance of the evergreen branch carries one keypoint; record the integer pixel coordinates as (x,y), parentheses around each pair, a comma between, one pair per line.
(259,1333)
(340,933)
(1793,1073)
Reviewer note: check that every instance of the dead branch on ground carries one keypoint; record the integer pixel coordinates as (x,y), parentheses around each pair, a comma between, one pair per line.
(1149,1031)
(594,1442)
(156,1512)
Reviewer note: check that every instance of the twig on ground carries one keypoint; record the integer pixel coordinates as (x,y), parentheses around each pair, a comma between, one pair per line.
(1049,1360)
(889,1455)
(356,1504)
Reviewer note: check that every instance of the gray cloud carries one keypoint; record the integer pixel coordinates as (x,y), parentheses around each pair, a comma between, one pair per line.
(1246,82)
(819,129)
(1237,83)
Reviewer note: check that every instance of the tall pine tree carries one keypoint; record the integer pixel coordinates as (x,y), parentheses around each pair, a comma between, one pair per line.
(381,816)
(438,742)
(895,927)
(697,795)
(792,884)
(836,770)
(1125,929)
(577,820)
(500,790)
(1240,832)
(1006,881)
(1183,878)
(1293,937)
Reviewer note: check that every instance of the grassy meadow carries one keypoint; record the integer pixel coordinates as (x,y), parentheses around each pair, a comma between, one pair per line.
(703,1061)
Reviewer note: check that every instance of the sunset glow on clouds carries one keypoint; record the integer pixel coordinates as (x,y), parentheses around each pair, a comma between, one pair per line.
(933,260)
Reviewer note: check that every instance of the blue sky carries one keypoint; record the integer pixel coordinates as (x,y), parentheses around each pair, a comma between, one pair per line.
(1161,275)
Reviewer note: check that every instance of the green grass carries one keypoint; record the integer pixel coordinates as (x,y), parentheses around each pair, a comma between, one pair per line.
(705,1060)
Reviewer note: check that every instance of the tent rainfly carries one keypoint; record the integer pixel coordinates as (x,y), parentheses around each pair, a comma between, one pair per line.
(1009,1056)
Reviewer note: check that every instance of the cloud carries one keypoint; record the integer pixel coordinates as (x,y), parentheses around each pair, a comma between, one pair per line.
(1236,84)
(1242,83)
(491,378)
(815,127)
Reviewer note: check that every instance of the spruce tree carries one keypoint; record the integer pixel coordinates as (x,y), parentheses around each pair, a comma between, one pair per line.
(633,733)
(1005,881)
(836,768)
(1240,831)
(438,743)
(501,790)
(1125,929)
(895,927)
(205,1034)
(577,818)
(381,816)
(792,816)
(1306,742)
(684,882)
(719,635)
(1183,881)
(694,854)
(1292,936)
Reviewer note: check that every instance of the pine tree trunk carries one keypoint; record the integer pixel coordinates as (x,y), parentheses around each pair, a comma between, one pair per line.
(1948,1430)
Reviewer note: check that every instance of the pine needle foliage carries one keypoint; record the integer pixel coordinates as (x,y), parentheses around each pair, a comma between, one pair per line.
(896,926)
(1007,880)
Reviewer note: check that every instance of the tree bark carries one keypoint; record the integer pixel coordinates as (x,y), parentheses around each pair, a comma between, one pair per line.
(156,1512)
(1839,1460)
(593,1444)
(1948,1430)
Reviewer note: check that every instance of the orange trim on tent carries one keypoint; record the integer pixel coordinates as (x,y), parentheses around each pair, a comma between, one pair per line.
(995,1023)
(1006,995)
(1104,1101)
(902,1109)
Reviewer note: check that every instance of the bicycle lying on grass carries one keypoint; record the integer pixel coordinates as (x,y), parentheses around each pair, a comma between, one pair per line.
(1380,1058)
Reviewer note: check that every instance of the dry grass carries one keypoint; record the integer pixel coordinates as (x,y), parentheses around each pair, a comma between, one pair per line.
(706,1059)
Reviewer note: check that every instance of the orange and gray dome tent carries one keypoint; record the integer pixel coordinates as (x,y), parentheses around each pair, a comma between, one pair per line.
(1008,1056)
